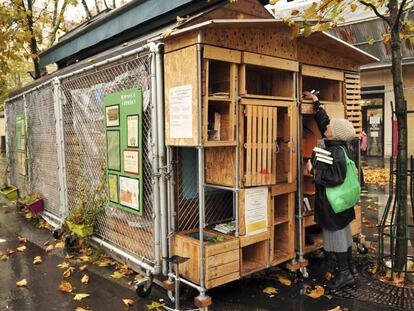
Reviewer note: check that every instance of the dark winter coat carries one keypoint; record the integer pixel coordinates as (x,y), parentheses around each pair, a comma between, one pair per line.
(331,175)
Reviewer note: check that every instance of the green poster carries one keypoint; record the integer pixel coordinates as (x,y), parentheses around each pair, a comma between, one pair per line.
(123,121)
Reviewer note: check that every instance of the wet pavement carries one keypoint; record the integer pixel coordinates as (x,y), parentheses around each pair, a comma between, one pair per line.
(107,293)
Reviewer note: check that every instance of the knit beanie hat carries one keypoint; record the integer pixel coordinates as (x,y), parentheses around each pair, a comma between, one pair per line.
(342,129)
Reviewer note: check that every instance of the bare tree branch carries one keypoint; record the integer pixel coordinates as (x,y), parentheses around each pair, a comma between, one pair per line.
(87,11)
(377,13)
(400,10)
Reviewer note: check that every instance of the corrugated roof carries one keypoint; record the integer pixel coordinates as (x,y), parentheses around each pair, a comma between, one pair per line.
(114,27)
(360,33)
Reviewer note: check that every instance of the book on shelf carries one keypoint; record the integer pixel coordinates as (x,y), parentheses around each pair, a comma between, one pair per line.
(306,204)
(226,228)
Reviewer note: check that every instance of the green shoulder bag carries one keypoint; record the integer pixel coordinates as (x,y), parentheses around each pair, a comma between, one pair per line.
(345,195)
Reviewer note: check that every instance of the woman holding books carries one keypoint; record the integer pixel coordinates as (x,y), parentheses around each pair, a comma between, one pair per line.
(328,166)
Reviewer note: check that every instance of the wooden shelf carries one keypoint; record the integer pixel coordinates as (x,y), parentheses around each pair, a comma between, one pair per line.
(269,97)
(281,220)
(219,143)
(280,257)
(254,257)
(219,98)
(248,267)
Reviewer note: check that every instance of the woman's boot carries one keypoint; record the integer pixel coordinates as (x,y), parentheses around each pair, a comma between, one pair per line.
(352,267)
(344,276)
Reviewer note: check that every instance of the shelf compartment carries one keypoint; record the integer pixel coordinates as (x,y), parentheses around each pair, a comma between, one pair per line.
(267,77)
(215,172)
(254,257)
(283,249)
(220,126)
(281,207)
(330,90)
(221,260)
(310,135)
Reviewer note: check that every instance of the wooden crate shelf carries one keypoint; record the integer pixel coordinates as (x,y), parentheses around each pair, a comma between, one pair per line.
(254,257)
(267,77)
(282,234)
(221,260)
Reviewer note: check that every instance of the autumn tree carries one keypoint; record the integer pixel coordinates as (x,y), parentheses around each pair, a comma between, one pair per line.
(322,15)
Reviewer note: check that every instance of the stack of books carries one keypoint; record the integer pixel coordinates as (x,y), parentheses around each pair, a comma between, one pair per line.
(226,228)
(323,155)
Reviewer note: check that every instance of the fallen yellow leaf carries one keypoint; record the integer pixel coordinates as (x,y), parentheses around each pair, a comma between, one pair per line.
(128,302)
(104,262)
(21,248)
(22,283)
(155,305)
(84,258)
(4,258)
(37,260)
(270,290)
(85,279)
(60,244)
(328,276)
(68,272)
(46,243)
(82,309)
(21,239)
(65,287)
(49,248)
(80,296)
(69,256)
(63,265)
(285,281)
(317,292)
(117,275)
(83,268)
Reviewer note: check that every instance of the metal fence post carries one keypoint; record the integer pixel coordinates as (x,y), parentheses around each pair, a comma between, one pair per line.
(155,167)
(26,131)
(60,148)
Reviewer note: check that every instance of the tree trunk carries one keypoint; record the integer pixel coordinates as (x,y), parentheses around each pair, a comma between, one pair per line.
(33,43)
(401,113)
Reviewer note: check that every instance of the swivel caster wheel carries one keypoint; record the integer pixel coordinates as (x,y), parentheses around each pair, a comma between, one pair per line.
(71,240)
(304,272)
(142,291)
(362,249)
(57,233)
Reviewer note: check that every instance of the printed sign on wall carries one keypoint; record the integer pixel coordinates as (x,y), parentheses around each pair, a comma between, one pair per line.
(123,120)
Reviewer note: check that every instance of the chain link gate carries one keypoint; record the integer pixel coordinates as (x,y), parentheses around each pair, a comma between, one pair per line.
(42,164)
(84,148)
(13,109)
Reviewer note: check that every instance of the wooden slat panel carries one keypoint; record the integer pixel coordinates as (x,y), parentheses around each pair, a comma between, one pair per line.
(270,145)
(259,145)
(264,147)
(274,138)
(249,122)
(352,99)
(254,146)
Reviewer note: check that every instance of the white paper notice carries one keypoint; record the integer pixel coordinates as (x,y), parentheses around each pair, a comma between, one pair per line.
(181,111)
(255,204)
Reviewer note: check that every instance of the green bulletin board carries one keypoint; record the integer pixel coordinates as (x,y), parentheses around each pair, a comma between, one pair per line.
(123,121)
(21,145)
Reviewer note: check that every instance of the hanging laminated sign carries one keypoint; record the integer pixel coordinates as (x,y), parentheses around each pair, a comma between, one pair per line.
(255,202)
(123,120)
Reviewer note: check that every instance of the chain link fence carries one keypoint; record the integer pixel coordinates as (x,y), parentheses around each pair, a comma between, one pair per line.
(219,203)
(42,161)
(84,147)
(14,109)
